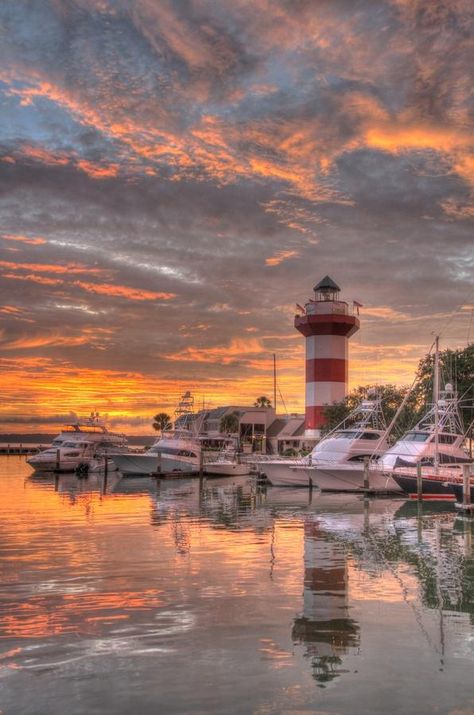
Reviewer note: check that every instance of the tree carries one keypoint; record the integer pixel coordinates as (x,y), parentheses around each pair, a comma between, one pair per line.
(161,422)
(229,424)
(457,368)
(262,402)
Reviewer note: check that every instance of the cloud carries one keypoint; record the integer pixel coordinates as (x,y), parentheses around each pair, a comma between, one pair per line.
(155,158)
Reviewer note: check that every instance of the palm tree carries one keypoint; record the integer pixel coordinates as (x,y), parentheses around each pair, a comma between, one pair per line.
(229,424)
(262,402)
(161,422)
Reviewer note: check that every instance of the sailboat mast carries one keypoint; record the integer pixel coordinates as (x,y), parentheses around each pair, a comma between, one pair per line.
(274,382)
(436,403)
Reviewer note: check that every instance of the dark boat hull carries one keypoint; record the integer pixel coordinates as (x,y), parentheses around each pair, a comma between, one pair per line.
(429,484)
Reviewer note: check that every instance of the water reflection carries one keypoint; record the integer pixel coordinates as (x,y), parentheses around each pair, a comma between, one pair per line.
(303,597)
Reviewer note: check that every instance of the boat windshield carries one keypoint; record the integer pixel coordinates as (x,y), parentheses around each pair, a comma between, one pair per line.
(416,437)
(347,434)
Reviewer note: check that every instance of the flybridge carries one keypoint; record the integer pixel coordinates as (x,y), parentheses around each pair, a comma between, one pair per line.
(90,429)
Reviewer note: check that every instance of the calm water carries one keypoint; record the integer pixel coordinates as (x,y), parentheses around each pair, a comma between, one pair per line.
(164,598)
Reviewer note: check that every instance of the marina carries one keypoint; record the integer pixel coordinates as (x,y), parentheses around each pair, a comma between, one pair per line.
(229,598)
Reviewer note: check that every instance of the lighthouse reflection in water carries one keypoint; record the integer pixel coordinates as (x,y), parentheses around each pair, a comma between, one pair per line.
(325,626)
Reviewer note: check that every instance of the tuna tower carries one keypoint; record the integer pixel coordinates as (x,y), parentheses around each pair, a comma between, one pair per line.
(327,325)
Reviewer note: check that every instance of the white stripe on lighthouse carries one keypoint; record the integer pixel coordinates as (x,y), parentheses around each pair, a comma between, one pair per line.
(324,393)
(326,346)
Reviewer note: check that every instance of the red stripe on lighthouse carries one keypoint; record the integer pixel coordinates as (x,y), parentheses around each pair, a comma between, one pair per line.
(326,370)
(314,417)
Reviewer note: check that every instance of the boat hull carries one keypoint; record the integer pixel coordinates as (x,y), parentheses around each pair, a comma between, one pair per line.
(136,463)
(429,484)
(333,478)
(222,469)
(170,463)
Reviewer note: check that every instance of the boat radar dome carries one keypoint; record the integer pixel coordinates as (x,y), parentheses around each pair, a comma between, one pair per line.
(327,289)
(448,387)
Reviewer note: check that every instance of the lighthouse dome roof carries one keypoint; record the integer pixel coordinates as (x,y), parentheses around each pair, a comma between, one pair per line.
(326,283)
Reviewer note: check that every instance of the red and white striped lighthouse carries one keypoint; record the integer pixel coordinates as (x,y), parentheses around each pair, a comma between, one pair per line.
(326,325)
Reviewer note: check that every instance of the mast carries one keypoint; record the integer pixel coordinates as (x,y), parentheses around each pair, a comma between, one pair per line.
(274,382)
(436,404)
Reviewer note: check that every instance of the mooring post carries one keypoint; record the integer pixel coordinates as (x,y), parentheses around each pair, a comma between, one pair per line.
(366,473)
(106,466)
(466,486)
(419,483)
(201,464)
(310,483)
(58,460)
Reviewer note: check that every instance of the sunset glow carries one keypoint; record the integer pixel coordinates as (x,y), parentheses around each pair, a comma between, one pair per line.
(176,177)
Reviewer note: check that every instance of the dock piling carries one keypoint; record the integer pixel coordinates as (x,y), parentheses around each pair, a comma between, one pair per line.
(466,486)
(419,483)
(366,474)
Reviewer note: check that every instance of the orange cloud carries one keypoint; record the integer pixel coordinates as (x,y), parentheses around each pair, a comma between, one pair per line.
(280,257)
(98,171)
(66,268)
(37,241)
(123,291)
(42,280)
(238,349)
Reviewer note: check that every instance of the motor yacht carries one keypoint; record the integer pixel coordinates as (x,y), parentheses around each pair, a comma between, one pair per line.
(176,450)
(78,443)
(337,461)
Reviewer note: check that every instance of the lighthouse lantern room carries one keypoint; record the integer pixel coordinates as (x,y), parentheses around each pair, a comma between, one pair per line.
(327,324)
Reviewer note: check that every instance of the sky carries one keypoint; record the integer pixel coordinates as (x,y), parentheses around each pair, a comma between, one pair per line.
(176,175)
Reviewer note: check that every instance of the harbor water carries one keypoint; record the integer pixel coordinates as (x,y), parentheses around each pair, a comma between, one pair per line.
(179,596)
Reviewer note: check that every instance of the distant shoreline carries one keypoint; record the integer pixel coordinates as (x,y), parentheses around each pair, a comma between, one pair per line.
(43,438)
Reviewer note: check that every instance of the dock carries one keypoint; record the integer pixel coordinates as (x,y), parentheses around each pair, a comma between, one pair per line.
(10,448)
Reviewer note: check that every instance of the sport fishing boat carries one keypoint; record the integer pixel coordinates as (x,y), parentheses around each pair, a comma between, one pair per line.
(337,461)
(437,443)
(78,443)
(177,450)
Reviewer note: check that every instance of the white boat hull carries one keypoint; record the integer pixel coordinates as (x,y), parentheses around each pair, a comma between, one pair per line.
(65,465)
(333,478)
(137,463)
(170,463)
(227,469)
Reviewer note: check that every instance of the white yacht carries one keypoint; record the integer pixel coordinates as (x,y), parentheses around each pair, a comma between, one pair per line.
(177,450)
(77,445)
(337,461)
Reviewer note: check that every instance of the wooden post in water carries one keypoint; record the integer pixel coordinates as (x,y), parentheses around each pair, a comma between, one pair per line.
(466,487)
(106,466)
(419,483)
(366,474)
(58,460)
(201,464)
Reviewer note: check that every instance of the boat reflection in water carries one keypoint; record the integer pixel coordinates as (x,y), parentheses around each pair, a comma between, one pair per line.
(325,626)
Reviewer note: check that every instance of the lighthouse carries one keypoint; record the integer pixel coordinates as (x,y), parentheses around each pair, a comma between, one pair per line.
(327,326)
